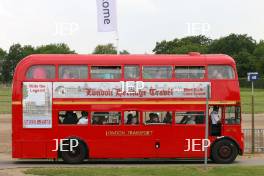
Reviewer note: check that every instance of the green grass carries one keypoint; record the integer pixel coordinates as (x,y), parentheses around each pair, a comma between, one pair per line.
(151,171)
(246,100)
(5,100)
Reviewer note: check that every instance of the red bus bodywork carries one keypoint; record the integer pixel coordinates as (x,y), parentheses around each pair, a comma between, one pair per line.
(39,143)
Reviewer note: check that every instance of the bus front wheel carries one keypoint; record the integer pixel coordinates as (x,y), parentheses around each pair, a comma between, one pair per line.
(74,155)
(224,151)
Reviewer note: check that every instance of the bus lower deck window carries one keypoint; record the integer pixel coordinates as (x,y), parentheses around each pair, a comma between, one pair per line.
(73,117)
(232,115)
(106,118)
(190,118)
(157,117)
(131,117)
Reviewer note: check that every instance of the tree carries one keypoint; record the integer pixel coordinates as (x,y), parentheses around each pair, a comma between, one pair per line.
(185,45)
(238,46)
(2,54)
(60,48)
(2,58)
(18,52)
(245,63)
(233,44)
(14,55)
(107,49)
(259,57)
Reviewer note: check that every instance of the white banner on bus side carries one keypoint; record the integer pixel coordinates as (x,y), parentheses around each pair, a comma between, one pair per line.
(117,90)
(37,104)
(106,15)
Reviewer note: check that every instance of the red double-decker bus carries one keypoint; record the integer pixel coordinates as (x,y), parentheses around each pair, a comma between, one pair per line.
(78,107)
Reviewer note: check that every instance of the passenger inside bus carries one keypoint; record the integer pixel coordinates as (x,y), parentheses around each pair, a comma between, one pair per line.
(215,122)
(98,120)
(66,74)
(129,118)
(39,73)
(83,120)
(69,118)
(167,118)
(134,120)
(153,118)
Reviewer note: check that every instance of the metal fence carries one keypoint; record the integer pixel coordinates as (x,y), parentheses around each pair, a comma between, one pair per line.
(259,140)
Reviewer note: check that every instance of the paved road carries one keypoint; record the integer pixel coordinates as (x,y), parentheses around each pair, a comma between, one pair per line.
(247,161)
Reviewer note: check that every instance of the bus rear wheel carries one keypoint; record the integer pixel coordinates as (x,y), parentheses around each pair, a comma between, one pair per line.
(224,151)
(76,155)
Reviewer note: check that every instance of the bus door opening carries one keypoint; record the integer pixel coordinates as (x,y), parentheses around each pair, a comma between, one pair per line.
(215,120)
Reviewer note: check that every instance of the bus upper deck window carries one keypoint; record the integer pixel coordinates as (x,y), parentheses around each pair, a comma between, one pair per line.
(41,72)
(73,72)
(106,72)
(220,72)
(194,72)
(132,72)
(157,72)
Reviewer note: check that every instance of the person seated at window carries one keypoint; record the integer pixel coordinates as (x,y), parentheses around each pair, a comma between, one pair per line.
(66,74)
(151,116)
(191,120)
(129,118)
(159,74)
(188,119)
(39,73)
(83,120)
(184,120)
(217,74)
(98,120)
(134,120)
(155,119)
(168,118)
(70,118)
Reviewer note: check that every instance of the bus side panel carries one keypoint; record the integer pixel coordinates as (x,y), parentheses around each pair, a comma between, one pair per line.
(33,149)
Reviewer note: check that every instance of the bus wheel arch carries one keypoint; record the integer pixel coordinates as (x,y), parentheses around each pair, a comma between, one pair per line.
(224,150)
(78,155)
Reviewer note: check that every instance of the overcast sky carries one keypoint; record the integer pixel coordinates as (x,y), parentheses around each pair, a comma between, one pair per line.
(140,22)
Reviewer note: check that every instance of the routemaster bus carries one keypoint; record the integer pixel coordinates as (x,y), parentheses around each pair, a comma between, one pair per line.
(79,107)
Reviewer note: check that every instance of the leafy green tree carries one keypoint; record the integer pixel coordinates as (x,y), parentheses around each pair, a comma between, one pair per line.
(107,49)
(2,58)
(14,55)
(18,52)
(185,45)
(259,57)
(2,54)
(245,63)
(233,44)
(238,46)
(60,48)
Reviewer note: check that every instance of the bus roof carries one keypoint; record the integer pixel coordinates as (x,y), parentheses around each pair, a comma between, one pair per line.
(189,59)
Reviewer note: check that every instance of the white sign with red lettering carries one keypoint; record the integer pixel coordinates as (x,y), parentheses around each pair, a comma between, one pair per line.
(117,90)
(37,104)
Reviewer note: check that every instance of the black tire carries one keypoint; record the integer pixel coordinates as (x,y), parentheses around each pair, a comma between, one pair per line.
(224,151)
(77,155)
